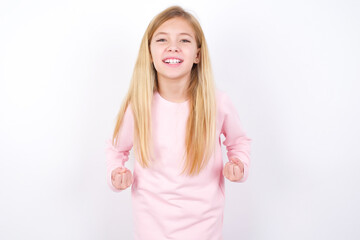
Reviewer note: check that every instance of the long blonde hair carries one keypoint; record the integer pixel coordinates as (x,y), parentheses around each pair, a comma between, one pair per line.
(201,124)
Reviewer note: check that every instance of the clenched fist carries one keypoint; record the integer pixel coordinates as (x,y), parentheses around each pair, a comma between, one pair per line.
(121,178)
(234,170)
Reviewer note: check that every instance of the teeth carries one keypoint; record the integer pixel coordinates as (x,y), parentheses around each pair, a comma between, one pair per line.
(172,61)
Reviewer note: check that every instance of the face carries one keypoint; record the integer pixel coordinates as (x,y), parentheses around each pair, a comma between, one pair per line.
(174,50)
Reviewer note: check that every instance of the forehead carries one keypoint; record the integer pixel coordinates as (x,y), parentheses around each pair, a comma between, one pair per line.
(176,26)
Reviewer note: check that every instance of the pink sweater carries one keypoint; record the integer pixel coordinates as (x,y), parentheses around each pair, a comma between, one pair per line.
(165,204)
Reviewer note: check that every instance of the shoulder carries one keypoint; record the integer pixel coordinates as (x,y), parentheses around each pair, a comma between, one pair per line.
(219,93)
(129,109)
(223,101)
(128,115)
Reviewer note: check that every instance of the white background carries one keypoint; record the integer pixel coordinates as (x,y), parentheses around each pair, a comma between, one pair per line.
(290,67)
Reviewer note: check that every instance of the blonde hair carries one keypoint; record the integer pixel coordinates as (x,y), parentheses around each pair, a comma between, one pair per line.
(201,123)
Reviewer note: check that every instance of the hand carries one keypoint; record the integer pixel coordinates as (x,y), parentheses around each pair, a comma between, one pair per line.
(234,170)
(121,178)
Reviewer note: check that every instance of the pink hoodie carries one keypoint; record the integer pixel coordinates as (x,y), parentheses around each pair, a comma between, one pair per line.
(165,204)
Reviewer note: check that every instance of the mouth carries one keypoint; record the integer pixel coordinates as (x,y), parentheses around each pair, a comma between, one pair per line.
(172,61)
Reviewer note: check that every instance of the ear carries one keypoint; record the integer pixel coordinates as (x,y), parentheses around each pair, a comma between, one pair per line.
(197,58)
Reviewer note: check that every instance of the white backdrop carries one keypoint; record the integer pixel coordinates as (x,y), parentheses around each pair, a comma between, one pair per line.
(291,68)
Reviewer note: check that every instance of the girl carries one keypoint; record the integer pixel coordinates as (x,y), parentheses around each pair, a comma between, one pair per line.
(174,115)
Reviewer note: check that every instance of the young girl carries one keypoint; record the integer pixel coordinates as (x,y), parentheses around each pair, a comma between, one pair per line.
(174,115)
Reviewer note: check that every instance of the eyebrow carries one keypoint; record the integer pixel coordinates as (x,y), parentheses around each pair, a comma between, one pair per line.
(178,34)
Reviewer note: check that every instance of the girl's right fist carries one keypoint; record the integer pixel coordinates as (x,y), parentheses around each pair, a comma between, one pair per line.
(121,178)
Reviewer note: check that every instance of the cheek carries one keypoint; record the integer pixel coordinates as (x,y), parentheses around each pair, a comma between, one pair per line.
(191,52)
(152,51)
(156,55)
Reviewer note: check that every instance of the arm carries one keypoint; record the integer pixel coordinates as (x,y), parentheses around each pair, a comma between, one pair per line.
(237,142)
(116,156)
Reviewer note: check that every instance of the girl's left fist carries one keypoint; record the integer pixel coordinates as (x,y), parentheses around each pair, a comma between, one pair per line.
(234,170)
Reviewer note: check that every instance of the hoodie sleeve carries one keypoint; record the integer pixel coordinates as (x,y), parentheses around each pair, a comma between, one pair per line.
(116,156)
(237,142)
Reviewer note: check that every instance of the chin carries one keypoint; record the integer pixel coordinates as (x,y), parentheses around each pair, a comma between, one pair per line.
(173,77)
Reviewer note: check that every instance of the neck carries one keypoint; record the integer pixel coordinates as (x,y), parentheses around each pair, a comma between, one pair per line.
(174,90)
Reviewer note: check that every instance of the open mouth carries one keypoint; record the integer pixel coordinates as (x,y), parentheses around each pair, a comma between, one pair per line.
(173,61)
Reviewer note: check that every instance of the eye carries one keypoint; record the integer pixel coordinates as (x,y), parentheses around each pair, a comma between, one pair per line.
(160,40)
(185,40)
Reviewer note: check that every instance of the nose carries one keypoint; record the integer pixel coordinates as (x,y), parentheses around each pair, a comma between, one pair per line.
(173,47)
